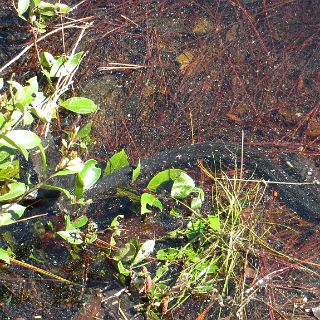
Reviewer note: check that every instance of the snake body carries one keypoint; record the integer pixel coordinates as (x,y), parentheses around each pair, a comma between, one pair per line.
(302,198)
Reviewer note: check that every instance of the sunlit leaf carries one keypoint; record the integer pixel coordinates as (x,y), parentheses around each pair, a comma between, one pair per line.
(4,256)
(24,138)
(23,6)
(144,251)
(6,141)
(72,236)
(80,105)
(136,172)
(148,199)
(214,222)
(16,189)
(10,213)
(25,94)
(9,170)
(47,59)
(182,186)
(168,254)
(117,162)
(85,131)
(87,177)
(122,269)
(80,221)
(162,177)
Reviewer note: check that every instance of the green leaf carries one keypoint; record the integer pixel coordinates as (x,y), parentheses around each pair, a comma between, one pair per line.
(23,6)
(214,222)
(85,131)
(122,269)
(169,254)
(162,177)
(144,251)
(62,68)
(182,186)
(62,8)
(115,221)
(136,172)
(117,162)
(16,189)
(10,213)
(47,59)
(80,221)
(72,236)
(151,200)
(24,138)
(6,141)
(25,95)
(9,170)
(5,256)
(80,105)
(87,177)
(197,201)
(74,61)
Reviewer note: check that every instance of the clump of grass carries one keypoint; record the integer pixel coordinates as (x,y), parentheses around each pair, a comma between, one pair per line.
(208,253)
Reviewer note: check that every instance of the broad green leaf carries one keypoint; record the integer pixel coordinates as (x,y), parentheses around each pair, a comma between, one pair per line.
(15,116)
(74,61)
(162,177)
(10,213)
(115,221)
(182,186)
(61,68)
(122,269)
(80,105)
(47,59)
(169,254)
(144,251)
(62,8)
(160,272)
(4,154)
(197,201)
(148,199)
(87,177)
(24,138)
(80,221)
(25,95)
(117,162)
(85,131)
(136,172)
(58,69)
(27,118)
(9,170)
(4,256)
(16,189)
(72,236)
(35,2)
(6,141)
(214,222)
(23,6)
